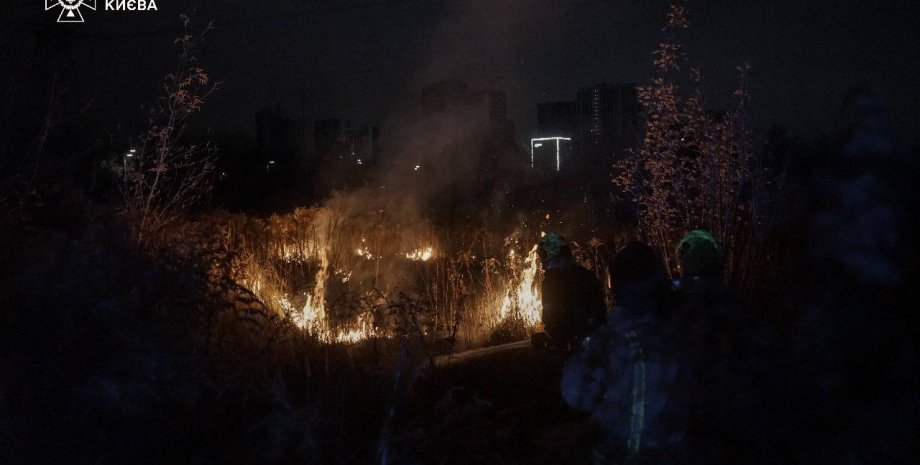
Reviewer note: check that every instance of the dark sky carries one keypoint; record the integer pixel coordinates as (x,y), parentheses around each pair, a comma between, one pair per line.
(366,60)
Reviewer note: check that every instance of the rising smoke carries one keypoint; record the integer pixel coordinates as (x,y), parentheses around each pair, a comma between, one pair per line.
(432,159)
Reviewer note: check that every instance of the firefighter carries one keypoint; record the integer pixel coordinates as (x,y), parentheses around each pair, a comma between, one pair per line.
(625,373)
(699,262)
(573,302)
(715,335)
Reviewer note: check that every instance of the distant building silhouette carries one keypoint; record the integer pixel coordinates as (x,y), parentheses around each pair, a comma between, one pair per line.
(608,119)
(601,123)
(279,139)
(556,119)
(452,97)
(328,135)
(442,95)
(336,139)
(492,103)
(486,110)
(361,144)
(344,154)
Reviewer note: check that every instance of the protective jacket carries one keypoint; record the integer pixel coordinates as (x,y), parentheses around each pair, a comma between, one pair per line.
(573,305)
(626,377)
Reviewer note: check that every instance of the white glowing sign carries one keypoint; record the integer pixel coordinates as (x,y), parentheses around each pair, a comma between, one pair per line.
(538,142)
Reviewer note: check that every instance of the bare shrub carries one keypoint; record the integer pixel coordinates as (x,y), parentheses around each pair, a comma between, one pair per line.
(172,177)
(695,168)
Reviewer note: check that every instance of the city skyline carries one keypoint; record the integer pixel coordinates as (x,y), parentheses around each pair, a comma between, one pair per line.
(368,60)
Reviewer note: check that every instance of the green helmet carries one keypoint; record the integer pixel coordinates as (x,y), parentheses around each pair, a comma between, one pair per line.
(552,245)
(700,254)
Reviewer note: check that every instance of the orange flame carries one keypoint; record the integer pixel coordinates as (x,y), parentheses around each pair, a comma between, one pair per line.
(522,294)
(421,254)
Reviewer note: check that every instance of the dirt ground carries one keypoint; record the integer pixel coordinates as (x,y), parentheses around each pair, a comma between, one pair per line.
(498,408)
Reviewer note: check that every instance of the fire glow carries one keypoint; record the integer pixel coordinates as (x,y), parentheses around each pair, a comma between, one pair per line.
(313,314)
(304,273)
(364,252)
(421,254)
(522,294)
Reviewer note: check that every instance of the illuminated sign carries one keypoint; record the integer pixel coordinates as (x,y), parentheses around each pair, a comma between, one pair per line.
(538,143)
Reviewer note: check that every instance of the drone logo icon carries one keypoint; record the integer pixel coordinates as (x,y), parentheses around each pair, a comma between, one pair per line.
(70,9)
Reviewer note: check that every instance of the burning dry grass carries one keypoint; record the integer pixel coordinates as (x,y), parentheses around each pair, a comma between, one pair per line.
(348,278)
(522,295)
(342,278)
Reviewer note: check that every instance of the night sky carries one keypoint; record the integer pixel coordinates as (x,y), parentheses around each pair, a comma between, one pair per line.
(366,60)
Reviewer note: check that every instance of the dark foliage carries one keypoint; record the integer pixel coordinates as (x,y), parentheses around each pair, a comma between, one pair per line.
(105,359)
